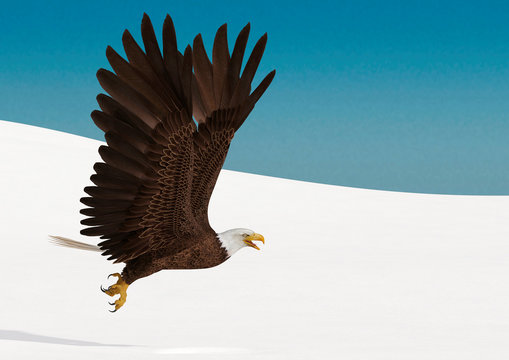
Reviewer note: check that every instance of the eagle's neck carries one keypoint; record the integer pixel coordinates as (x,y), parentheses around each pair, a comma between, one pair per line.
(230,242)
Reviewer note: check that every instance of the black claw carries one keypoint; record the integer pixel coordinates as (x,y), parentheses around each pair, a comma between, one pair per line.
(110,275)
(103,290)
(112,304)
(112,311)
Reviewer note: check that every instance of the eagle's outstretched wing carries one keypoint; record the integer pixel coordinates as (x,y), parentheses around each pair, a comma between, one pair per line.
(141,197)
(222,100)
(159,170)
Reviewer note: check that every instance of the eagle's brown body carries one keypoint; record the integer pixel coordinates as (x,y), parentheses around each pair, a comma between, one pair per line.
(206,253)
(152,190)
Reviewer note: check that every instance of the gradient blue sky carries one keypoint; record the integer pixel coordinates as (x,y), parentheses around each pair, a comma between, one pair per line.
(396,95)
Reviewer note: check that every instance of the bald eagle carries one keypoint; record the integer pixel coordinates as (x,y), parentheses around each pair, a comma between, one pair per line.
(168,123)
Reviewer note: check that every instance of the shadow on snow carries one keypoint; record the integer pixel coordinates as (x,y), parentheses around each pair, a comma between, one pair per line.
(25,336)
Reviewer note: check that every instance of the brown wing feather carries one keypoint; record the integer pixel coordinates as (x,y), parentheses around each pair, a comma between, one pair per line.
(169,217)
(226,103)
(141,195)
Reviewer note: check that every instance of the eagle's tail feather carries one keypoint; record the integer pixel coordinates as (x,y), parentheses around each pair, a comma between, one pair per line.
(62,241)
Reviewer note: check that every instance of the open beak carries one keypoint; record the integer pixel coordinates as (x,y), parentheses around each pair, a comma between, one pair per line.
(255,237)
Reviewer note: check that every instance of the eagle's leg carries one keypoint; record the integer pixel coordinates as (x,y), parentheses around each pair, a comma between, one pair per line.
(119,288)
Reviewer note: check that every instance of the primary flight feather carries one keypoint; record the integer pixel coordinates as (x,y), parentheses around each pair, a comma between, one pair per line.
(150,201)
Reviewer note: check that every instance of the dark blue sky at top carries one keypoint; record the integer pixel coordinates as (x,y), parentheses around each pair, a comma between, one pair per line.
(395,95)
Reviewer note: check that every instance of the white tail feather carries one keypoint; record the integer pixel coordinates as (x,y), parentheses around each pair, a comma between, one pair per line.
(62,241)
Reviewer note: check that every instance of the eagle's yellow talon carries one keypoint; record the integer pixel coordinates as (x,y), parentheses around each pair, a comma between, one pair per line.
(116,275)
(119,288)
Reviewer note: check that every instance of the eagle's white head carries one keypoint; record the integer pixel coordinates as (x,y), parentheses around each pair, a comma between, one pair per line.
(235,239)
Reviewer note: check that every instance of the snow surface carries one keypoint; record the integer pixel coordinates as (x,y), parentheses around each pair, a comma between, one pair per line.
(345,273)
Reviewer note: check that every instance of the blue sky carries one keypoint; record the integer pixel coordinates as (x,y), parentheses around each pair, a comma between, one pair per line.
(406,96)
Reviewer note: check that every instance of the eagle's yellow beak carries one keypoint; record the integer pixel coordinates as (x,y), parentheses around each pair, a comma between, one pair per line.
(255,237)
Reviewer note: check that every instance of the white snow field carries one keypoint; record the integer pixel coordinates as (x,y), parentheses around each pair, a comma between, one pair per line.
(345,273)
